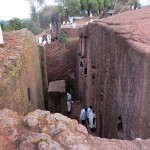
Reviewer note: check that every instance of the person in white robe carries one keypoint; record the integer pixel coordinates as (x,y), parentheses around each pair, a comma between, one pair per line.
(68,107)
(92,121)
(83,116)
(89,109)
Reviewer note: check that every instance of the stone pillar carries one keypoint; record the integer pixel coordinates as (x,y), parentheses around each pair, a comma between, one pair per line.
(1,37)
(40,40)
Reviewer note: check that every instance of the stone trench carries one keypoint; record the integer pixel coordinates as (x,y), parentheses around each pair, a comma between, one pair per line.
(29,118)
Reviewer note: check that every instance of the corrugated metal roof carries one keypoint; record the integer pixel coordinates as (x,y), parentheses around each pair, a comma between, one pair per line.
(110,12)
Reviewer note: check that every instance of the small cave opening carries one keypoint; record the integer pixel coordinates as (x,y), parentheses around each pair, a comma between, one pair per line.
(93,76)
(29,94)
(119,125)
(85,71)
(81,64)
(101,95)
(120,128)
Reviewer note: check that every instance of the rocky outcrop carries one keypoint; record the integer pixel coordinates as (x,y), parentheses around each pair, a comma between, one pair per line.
(20,73)
(45,131)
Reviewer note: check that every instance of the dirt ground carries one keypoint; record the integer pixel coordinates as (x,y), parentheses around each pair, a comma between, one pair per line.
(76,108)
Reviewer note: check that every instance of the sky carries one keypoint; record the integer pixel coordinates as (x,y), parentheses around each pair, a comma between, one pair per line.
(16,8)
(21,9)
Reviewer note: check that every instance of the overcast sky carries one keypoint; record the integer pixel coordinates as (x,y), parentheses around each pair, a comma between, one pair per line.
(20,8)
(16,8)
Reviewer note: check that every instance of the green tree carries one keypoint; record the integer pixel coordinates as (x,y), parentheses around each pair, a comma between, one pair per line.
(17,24)
(64,38)
(47,12)
(35,7)
(100,5)
(84,4)
(60,2)
(107,3)
(72,6)
(94,5)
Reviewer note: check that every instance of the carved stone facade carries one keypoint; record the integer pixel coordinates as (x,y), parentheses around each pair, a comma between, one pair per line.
(113,74)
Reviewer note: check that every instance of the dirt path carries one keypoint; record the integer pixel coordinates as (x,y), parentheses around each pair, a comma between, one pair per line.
(76,108)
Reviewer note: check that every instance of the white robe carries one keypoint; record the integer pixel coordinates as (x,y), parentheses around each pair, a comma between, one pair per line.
(69,97)
(1,36)
(68,106)
(83,115)
(91,124)
(88,112)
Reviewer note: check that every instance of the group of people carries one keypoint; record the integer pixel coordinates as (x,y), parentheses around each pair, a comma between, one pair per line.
(88,115)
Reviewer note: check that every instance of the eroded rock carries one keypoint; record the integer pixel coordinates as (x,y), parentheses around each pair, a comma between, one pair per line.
(45,131)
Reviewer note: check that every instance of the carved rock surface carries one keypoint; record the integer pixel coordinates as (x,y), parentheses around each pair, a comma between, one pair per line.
(45,131)
(20,73)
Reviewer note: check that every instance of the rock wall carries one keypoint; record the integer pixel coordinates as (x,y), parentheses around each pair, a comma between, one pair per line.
(45,131)
(72,32)
(20,73)
(61,59)
(117,53)
(43,66)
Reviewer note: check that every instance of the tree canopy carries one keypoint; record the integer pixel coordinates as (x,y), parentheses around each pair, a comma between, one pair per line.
(42,16)
(17,24)
(72,6)
(36,5)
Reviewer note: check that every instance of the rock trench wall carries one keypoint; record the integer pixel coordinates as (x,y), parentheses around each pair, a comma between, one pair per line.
(61,59)
(20,73)
(114,73)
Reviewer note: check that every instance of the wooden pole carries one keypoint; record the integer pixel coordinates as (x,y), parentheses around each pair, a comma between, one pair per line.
(124,6)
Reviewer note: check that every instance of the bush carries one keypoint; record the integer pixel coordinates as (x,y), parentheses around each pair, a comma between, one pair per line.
(64,37)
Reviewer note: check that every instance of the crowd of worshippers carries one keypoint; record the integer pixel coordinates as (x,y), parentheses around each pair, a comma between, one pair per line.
(88,116)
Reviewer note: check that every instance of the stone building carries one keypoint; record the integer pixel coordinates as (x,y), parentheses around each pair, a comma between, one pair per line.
(57,97)
(114,73)
(21,87)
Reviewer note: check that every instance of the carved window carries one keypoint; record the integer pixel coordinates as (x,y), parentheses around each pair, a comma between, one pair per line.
(83,47)
(85,71)
(29,94)
(120,125)
(93,76)
(81,64)
(101,95)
